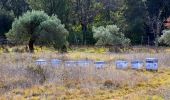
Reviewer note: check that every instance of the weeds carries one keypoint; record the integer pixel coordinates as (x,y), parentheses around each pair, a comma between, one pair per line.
(20,77)
(38,73)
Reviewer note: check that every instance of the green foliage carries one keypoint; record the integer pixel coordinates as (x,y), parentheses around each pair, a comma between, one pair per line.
(26,26)
(58,7)
(165,38)
(37,26)
(75,36)
(6,18)
(135,20)
(18,7)
(110,35)
(58,38)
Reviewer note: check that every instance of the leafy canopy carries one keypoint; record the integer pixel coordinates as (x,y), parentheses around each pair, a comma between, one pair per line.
(110,35)
(37,26)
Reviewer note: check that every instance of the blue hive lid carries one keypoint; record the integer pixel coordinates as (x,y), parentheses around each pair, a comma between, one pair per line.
(137,61)
(100,62)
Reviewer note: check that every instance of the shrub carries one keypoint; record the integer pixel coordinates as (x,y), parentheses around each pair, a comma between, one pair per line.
(108,83)
(165,38)
(37,73)
(110,36)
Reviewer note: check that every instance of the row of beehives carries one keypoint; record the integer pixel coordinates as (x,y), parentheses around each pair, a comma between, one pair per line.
(150,64)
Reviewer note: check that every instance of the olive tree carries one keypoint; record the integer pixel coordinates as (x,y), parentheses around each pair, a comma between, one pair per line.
(37,26)
(165,38)
(110,35)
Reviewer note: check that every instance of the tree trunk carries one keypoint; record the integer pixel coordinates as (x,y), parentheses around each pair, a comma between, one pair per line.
(84,30)
(31,45)
(158,30)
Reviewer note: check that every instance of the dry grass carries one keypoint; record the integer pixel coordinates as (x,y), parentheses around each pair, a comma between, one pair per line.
(18,81)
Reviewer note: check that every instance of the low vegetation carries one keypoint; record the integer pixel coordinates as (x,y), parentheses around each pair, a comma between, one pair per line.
(165,38)
(109,36)
(21,79)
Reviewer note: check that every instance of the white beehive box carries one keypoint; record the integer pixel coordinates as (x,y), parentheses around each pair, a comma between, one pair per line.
(83,63)
(152,64)
(121,64)
(137,64)
(41,62)
(56,62)
(70,63)
(100,64)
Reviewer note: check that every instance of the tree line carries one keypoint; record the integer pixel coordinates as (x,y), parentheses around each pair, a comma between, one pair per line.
(134,18)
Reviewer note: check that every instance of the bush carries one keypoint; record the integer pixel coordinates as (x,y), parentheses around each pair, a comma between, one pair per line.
(37,73)
(165,38)
(108,83)
(110,36)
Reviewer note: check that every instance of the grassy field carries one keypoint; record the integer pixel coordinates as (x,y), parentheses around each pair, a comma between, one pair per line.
(21,79)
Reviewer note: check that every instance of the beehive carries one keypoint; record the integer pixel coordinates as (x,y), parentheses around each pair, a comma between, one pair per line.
(41,62)
(152,64)
(70,63)
(83,63)
(100,64)
(56,62)
(137,64)
(121,64)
